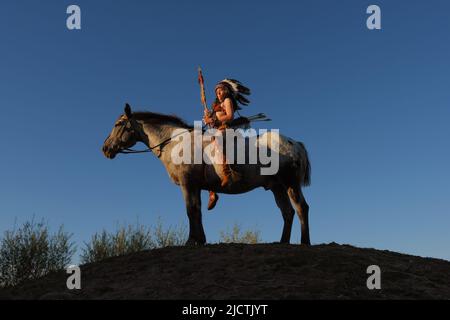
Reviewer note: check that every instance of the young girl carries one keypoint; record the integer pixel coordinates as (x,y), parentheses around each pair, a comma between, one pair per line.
(228,93)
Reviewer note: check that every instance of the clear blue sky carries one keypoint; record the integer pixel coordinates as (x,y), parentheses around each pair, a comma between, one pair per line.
(372,108)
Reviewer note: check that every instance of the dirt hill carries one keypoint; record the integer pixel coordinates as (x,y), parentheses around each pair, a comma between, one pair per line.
(238,271)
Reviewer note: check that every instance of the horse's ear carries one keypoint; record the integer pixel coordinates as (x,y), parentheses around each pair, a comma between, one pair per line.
(128,111)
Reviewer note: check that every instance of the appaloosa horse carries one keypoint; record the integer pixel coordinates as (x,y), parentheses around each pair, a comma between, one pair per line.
(155,131)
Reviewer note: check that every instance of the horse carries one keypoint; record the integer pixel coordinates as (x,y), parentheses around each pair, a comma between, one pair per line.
(286,184)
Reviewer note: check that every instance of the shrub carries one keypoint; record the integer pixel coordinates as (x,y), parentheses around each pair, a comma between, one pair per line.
(31,252)
(130,239)
(170,237)
(238,236)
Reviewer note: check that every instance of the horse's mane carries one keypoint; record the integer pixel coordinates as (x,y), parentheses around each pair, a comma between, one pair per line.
(159,118)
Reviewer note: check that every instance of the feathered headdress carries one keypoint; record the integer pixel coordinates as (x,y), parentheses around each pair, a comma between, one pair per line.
(237,89)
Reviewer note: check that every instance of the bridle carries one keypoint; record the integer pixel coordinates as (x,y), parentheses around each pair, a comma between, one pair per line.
(161,145)
(150,149)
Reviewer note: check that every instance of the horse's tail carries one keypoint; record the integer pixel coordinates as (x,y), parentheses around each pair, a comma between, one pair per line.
(304,165)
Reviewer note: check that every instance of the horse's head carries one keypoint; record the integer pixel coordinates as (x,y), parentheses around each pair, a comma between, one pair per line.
(124,134)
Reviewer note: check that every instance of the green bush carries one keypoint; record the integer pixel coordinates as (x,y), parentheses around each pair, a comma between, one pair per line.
(31,252)
(130,239)
(170,237)
(236,235)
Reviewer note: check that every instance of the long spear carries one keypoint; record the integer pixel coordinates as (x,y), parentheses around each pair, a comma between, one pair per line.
(202,89)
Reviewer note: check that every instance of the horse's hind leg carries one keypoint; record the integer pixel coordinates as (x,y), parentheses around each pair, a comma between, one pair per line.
(300,204)
(283,202)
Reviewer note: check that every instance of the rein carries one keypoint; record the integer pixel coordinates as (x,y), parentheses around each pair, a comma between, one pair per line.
(160,145)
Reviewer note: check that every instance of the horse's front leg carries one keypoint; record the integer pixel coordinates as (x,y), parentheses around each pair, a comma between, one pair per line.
(192,199)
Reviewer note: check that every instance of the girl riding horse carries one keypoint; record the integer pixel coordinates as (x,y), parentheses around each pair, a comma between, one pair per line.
(228,93)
